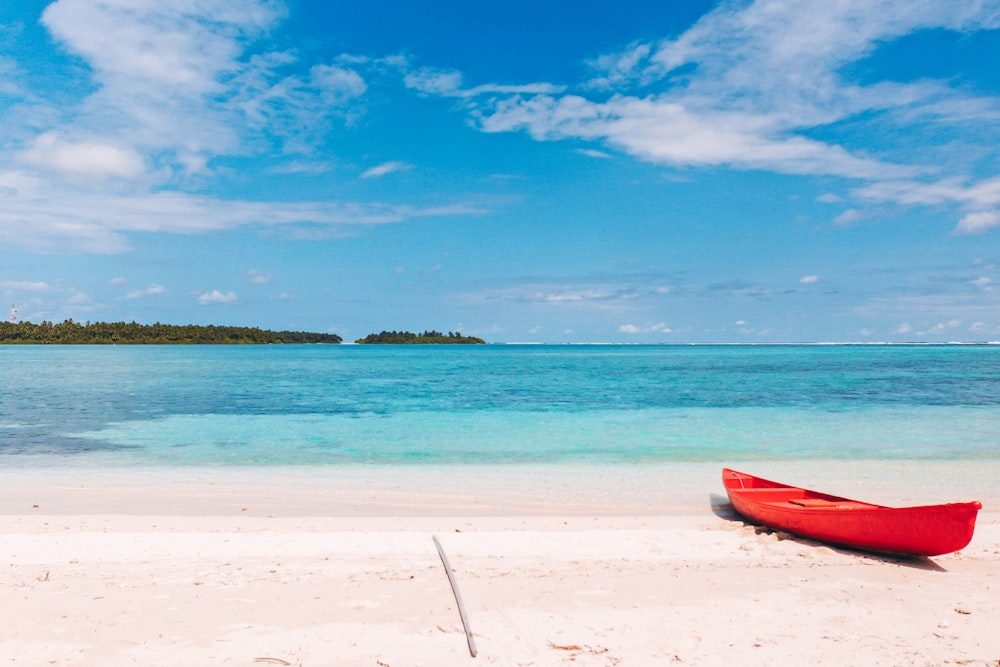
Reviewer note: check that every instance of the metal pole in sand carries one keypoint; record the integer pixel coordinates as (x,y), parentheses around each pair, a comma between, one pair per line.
(458,596)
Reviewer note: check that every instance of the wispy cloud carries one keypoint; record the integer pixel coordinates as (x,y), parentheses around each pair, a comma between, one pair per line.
(848,217)
(746,87)
(80,300)
(659,130)
(255,277)
(25,285)
(94,221)
(980,199)
(385,168)
(981,194)
(638,293)
(152,290)
(580,294)
(449,83)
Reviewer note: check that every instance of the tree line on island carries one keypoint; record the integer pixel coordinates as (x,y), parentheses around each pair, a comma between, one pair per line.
(126,333)
(133,333)
(426,338)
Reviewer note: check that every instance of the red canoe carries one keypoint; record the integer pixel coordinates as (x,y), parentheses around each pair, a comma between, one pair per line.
(908,531)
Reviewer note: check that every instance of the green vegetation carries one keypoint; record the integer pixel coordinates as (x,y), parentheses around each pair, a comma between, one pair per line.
(122,333)
(426,338)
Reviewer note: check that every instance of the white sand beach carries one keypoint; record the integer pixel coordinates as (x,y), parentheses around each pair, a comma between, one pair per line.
(338,567)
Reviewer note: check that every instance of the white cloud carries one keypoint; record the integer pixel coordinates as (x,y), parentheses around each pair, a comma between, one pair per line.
(337,85)
(117,282)
(981,194)
(174,85)
(659,327)
(902,329)
(85,159)
(385,168)
(662,130)
(982,281)
(215,297)
(829,198)
(978,198)
(590,152)
(848,217)
(808,280)
(152,290)
(434,81)
(978,223)
(172,45)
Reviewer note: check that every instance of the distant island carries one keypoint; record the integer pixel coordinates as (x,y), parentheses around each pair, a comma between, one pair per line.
(132,333)
(426,338)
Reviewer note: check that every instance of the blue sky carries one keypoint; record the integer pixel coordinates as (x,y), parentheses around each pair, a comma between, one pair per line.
(557,172)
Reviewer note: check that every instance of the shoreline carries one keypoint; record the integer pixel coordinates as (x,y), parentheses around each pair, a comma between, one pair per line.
(641,489)
(626,565)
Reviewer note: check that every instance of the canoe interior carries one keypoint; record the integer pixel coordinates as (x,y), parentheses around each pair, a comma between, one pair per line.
(801,499)
(759,490)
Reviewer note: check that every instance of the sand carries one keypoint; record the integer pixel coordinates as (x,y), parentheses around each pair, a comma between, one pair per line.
(556,567)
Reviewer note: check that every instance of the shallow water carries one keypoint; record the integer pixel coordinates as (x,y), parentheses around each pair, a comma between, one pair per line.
(403,405)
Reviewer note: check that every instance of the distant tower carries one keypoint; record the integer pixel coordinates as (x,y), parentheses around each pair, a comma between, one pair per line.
(13,313)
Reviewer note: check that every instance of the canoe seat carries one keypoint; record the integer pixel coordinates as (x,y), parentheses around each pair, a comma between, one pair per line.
(813,502)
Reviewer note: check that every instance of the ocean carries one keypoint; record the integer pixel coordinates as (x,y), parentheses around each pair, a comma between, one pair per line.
(510,405)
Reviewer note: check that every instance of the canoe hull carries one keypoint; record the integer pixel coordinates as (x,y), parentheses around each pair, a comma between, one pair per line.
(930,530)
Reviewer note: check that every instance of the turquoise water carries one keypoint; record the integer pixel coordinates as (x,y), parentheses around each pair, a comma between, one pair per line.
(322,405)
